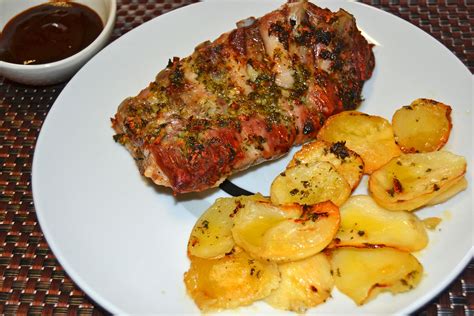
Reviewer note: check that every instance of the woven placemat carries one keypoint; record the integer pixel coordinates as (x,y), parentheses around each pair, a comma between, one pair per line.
(31,279)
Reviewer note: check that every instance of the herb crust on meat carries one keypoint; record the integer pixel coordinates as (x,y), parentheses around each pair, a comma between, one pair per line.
(248,96)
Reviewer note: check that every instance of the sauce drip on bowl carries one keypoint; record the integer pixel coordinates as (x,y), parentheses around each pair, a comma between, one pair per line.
(49,32)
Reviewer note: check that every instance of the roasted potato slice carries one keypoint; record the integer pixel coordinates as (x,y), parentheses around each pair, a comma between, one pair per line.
(368,135)
(211,236)
(347,162)
(310,183)
(364,223)
(285,233)
(362,273)
(422,126)
(231,281)
(413,180)
(304,284)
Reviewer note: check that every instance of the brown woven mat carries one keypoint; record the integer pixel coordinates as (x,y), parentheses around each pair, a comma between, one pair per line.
(32,281)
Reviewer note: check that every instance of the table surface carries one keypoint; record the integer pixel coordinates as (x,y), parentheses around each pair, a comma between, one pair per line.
(31,279)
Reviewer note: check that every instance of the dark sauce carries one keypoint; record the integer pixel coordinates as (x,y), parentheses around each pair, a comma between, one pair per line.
(49,32)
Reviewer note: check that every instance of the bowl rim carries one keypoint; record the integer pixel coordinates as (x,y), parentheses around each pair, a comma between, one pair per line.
(108,26)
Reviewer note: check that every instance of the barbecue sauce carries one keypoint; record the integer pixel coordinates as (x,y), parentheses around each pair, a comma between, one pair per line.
(49,32)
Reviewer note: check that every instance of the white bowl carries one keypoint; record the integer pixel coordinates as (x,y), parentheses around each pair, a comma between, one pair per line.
(58,71)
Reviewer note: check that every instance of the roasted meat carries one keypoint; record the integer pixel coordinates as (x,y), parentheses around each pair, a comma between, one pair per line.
(246,97)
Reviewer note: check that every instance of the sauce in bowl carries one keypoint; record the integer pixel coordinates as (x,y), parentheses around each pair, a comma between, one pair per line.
(49,32)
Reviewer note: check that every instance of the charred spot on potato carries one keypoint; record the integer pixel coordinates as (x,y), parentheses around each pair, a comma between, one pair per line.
(204,225)
(294,191)
(236,209)
(397,186)
(193,241)
(340,150)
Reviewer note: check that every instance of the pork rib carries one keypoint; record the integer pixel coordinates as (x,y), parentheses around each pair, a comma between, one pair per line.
(246,97)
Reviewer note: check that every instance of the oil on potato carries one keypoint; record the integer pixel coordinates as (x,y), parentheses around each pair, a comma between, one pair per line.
(285,233)
(362,273)
(411,181)
(310,183)
(364,223)
(368,135)
(347,162)
(231,281)
(211,236)
(304,284)
(422,126)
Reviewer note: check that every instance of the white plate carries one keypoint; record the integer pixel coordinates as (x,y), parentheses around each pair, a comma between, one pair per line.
(123,241)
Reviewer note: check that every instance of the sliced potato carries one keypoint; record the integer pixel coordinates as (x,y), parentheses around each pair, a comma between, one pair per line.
(211,236)
(364,223)
(304,284)
(422,126)
(310,183)
(347,162)
(362,273)
(231,281)
(285,233)
(413,180)
(369,136)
